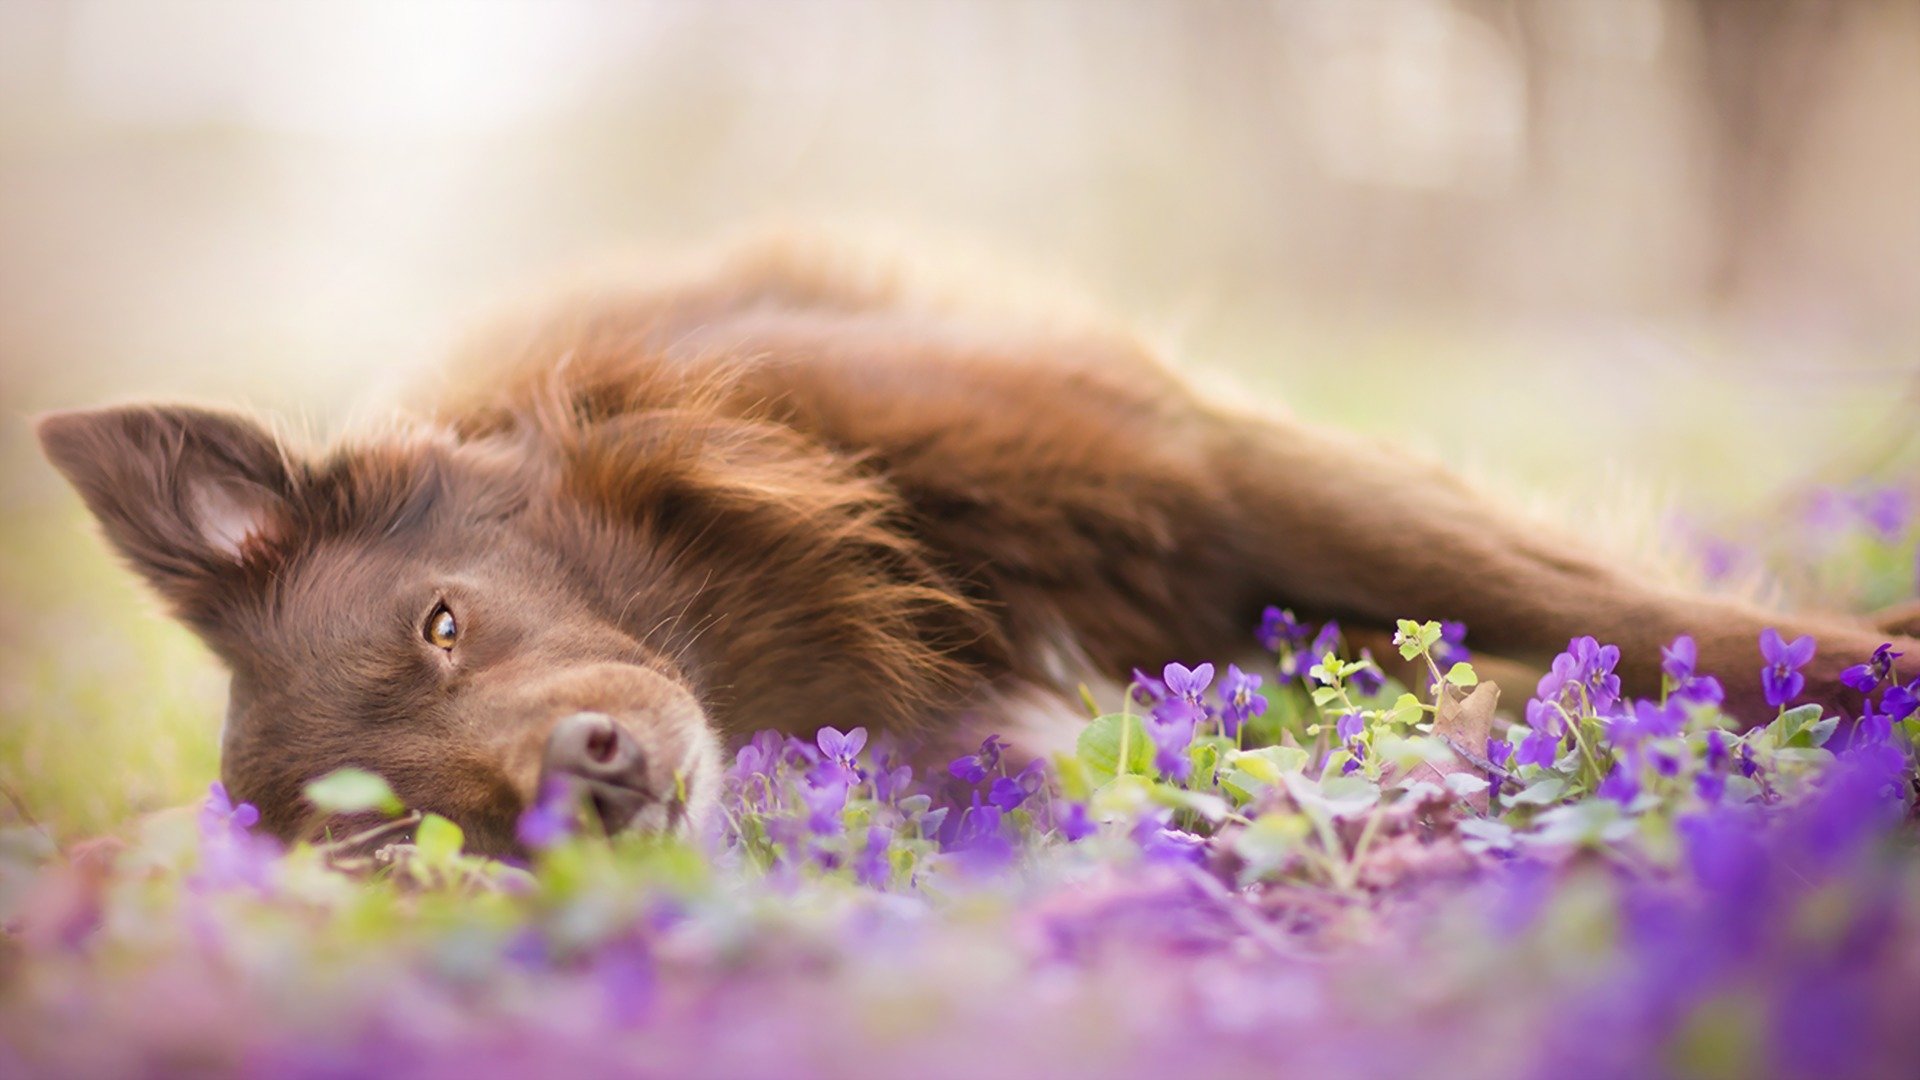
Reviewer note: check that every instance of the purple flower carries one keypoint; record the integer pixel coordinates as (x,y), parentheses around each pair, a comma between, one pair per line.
(841,748)
(973,768)
(1545,716)
(230,854)
(1145,689)
(890,781)
(1538,748)
(1161,844)
(825,800)
(872,867)
(759,757)
(1717,754)
(1172,762)
(1586,664)
(551,817)
(979,839)
(1324,642)
(1648,721)
(1886,511)
(1867,677)
(1357,755)
(1678,661)
(1452,648)
(1171,727)
(1710,786)
(1073,821)
(1781,679)
(1622,785)
(1872,728)
(1279,629)
(1499,752)
(1349,726)
(1369,680)
(1239,700)
(219,816)
(1006,793)
(1899,702)
(1187,683)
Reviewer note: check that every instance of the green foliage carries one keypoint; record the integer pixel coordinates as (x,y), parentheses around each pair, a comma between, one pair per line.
(1105,739)
(351,791)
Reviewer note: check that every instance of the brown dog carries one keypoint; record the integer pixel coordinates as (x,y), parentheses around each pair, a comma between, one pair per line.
(774,497)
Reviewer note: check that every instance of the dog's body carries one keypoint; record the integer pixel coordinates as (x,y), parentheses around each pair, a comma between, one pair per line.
(774,498)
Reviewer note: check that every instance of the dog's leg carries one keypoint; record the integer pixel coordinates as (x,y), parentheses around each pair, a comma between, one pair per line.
(1354,529)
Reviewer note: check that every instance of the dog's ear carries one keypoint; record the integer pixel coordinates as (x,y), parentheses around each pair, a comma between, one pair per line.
(188,495)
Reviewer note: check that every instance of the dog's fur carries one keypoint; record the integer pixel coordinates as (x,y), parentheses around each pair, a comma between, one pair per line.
(778,496)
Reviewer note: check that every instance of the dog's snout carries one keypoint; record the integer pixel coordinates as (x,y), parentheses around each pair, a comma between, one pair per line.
(592,752)
(593,746)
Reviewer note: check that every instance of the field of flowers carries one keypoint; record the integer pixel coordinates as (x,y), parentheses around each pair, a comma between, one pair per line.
(1305,869)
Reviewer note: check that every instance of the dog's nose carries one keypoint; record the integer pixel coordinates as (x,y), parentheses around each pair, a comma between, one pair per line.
(593,754)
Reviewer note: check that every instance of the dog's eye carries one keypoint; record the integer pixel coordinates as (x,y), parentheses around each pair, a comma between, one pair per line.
(442,629)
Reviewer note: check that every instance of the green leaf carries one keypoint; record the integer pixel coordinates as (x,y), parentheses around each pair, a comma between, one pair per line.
(1415,638)
(1270,843)
(1462,674)
(1267,763)
(1404,752)
(1122,796)
(1790,723)
(1817,733)
(1592,823)
(1099,747)
(1810,756)
(1483,835)
(1342,796)
(1406,710)
(1212,808)
(1241,784)
(1540,792)
(350,791)
(1074,781)
(438,840)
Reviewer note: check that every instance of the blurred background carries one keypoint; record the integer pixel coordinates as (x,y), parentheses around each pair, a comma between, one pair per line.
(1655,253)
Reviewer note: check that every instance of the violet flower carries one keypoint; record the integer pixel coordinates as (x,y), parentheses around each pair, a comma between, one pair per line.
(974,767)
(1240,700)
(1369,680)
(1073,821)
(1647,721)
(1678,661)
(1781,679)
(1349,726)
(1541,747)
(1280,630)
(1452,648)
(1145,689)
(551,817)
(1867,677)
(1622,785)
(825,798)
(873,867)
(1187,683)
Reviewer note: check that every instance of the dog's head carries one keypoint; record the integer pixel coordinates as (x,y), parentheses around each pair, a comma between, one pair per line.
(477,611)
(427,609)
